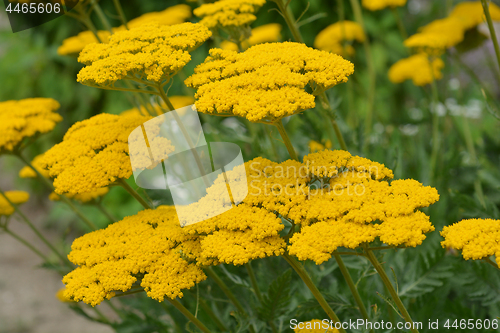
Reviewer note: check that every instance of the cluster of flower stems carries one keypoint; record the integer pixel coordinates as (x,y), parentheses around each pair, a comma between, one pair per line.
(64,265)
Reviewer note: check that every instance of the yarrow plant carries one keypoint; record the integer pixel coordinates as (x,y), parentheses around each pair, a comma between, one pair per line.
(312,234)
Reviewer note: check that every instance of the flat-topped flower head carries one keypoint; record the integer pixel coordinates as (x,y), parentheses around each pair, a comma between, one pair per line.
(354,203)
(172,15)
(432,43)
(28,172)
(74,45)
(472,14)
(266,33)
(381,4)
(82,197)
(267,82)
(451,29)
(476,238)
(331,38)
(16,197)
(95,153)
(149,52)
(25,119)
(232,16)
(416,68)
(144,249)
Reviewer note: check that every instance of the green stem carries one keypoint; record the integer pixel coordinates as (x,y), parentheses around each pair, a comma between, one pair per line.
(469,142)
(256,290)
(390,287)
(358,15)
(101,15)
(186,135)
(123,183)
(286,139)
(35,230)
(336,128)
(212,315)
(188,315)
(124,89)
(290,20)
(488,260)
(67,201)
(352,287)
(401,26)
(28,245)
(312,287)
(491,28)
(273,145)
(119,9)
(225,289)
(104,319)
(253,281)
(229,294)
(435,131)
(103,210)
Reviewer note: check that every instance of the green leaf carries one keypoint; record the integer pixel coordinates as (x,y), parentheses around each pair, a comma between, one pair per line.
(276,300)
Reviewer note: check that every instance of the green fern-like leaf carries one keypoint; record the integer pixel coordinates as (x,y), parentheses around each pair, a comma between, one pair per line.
(276,300)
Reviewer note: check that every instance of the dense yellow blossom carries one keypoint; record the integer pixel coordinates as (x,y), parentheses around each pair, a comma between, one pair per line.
(152,52)
(477,238)
(450,28)
(264,34)
(267,81)
(16,197)
(238,235)
(142,249)
(82,197)
(24,119)
(472,14)
(354,204)
(381,4)
(315,326)
(331,38)
(60,296)
(315,146)
(432,43)
(75,44)
(417,68)
(28,172)
(172,15)
(228,14)
(177,101)
(94,153)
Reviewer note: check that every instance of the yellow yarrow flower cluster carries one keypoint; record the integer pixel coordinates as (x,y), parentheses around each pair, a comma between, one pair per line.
(381,4)
(148,52)
(331,38)
(28,172)
(355,204)
(82,197)
(477,238)
(432,43)
(266,82)
(315,146)
(172,15)
(75,44)
(232,16)
(417,68)
(177,101)
(141,249)
(266,33)
(24,119)
(94,153)
(315,326)
(16,197)
(451,28)
(60,296)
(472,14)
